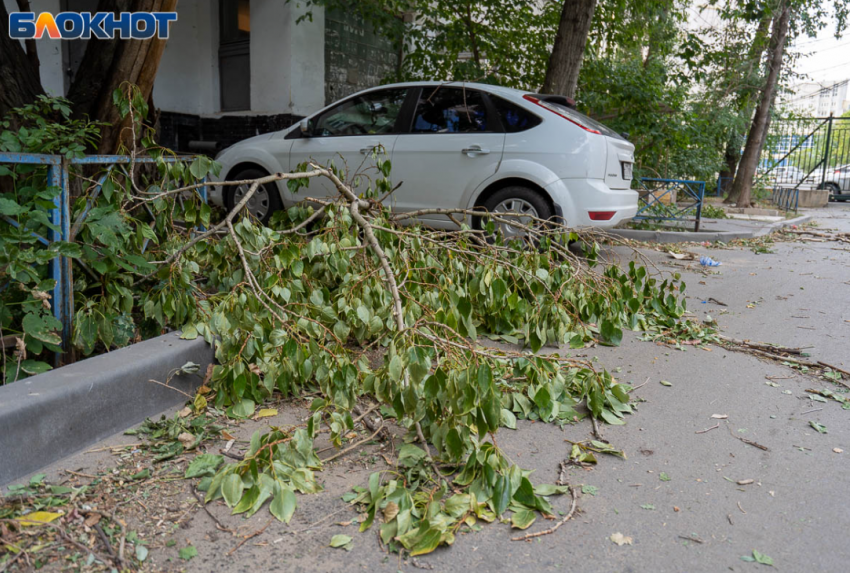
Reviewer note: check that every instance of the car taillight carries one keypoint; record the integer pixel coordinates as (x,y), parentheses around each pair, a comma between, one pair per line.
(601,215)
(556,111)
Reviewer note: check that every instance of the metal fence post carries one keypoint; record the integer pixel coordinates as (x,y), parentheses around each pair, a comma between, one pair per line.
(699,206)
(67,273)
(54,179)
(826,151)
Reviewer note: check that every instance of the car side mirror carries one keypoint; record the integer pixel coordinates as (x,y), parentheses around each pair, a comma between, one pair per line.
(305,127)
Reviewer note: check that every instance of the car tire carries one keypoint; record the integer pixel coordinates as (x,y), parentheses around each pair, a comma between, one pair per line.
(264,202)
(519,199)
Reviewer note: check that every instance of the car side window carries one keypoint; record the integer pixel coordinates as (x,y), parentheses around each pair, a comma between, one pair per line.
(373,113)
(514,118)
(450,110)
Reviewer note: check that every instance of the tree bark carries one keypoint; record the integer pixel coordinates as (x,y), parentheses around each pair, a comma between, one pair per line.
(19,81)
(742,186)
(107,64)
(568,51)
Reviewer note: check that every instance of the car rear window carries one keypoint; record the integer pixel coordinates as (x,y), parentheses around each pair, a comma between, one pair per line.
(514,118)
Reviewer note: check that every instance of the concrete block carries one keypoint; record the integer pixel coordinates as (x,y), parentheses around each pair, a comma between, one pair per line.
(813,198)
(55,414)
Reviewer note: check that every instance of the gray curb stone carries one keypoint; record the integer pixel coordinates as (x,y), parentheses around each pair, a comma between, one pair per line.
(50,416)
(702,236)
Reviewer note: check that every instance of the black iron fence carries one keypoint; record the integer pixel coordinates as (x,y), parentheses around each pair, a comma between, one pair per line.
(807,153)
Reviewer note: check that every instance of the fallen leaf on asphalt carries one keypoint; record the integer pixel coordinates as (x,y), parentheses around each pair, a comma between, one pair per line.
(266,413)
(819,427)
(186,439)
(758,558)
(664,477)
(340,540)
(837,450)
(621,539)
(676,508)
(188,552)
(745,481)
(666,383)
(719,416)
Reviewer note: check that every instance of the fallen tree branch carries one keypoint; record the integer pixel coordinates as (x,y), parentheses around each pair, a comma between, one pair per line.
(750,442)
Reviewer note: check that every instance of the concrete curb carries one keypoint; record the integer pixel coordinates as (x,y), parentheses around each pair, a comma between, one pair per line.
(703,236)
(50,416)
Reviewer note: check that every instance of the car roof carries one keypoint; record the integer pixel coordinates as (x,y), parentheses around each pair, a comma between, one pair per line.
(474,85)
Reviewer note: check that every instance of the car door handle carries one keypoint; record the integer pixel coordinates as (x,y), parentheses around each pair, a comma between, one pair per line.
(474,150)
(368,150)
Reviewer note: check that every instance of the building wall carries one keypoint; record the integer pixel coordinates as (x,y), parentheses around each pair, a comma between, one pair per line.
(287,58)
(355,56)
(187,79)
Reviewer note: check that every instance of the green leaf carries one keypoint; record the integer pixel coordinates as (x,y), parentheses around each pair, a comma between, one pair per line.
(188,552)
(429,541)
(204,465)
(340,540)
(244,409)
(819,427)
(664,477)
(501,494)
(610,334)
(231,489)
(523,519)
(666,383)
(10,208)
(141,552)
(589,489)
(762,558)
(647,506)
(508,419)
(283,505)
(395,368)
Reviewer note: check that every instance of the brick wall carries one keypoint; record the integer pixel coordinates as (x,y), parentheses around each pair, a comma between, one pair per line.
(356,57)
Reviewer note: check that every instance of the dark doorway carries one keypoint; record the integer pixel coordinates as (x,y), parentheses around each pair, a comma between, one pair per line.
(234,54)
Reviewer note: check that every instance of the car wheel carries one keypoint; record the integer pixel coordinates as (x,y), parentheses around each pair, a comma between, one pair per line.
(831,187)
(518,199)
(262,204)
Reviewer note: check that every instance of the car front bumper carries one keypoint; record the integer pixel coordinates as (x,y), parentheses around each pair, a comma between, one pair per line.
(577,199)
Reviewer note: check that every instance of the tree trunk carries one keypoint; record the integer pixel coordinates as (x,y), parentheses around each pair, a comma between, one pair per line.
(740,193)
(744,101)
(568,51)
(107,64)
(19,81)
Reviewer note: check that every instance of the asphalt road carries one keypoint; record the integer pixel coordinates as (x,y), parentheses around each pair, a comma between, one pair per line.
(794,511)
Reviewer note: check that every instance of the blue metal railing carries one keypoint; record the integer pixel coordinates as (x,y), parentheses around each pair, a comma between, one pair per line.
(786,198)
(723,184)
(58,175)
(658,200)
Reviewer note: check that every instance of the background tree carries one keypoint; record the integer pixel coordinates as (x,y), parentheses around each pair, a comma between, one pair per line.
(568,51)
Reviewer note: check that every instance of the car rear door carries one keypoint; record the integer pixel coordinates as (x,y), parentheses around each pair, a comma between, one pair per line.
(346,135)
(455,142)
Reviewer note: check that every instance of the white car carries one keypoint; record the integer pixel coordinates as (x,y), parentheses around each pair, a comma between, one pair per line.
(451,145)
